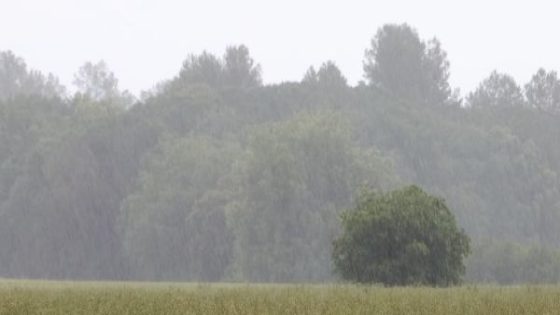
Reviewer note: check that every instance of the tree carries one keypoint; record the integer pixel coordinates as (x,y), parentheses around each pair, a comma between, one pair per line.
(328,76)
(327,87)
(401,64)
(399,238)
(543,91)
(235,70)
(240,69)
(96,82)
(12,72)
(201,69)
(295,177)
(497,91)
(174,224)
(16,80)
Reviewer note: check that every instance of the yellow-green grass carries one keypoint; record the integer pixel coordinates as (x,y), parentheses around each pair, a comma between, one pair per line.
(45,297)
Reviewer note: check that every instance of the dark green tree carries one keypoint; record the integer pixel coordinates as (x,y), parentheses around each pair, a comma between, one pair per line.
(400,238)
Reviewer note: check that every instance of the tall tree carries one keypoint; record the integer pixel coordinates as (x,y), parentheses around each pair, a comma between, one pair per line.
(402,64)
(543,91)
(497,91)
(16,79)
(96,82)
(240,69)
(201,69)
(174,224)
(294,178)
(235,70)
(328,87)
(330,76)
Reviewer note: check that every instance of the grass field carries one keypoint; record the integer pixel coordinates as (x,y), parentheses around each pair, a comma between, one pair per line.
(44,297)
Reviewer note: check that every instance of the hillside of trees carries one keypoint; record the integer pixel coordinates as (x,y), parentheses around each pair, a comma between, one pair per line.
(215,176)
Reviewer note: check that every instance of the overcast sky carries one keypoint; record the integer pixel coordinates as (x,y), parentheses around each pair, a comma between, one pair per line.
(145,42)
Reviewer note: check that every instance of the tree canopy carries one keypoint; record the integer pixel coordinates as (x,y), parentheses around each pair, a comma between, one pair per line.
(543,91)
(499,91)
(402,64)
(215,175)
(399,238)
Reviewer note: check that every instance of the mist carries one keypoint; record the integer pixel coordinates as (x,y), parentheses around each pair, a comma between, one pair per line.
(215,174)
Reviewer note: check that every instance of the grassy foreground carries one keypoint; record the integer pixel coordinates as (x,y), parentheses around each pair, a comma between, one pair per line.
(38,297)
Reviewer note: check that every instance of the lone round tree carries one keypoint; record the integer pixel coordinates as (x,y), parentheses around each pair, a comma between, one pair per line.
(399,238)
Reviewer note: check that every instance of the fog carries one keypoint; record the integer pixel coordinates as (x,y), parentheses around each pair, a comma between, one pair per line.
(222,142)
(145,42)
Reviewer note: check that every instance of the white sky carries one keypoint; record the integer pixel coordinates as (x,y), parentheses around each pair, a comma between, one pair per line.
(145,41)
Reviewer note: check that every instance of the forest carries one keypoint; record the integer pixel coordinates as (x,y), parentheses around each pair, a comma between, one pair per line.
(213,175)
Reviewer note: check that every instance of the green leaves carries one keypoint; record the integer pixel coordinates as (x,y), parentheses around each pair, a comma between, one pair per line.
(235,70)
(401,64)
(543,91)
(497,91)
(402,237)
(297,174)
(174,225)
(216,176)
(17,80)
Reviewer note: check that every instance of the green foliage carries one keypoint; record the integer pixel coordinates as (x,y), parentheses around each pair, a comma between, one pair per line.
(399,238)
(510,263)
(294,177)
(16,79)
(235,70)
(401,64)
(93,186)
(174,224)
(328,76)
(240,70)
(95,82)
(205,68)
(543,91)
(497,91)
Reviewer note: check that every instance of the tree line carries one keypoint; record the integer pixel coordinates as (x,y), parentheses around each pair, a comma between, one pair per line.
(214,176)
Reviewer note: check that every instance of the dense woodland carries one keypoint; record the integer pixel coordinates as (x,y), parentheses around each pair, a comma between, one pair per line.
(215,176)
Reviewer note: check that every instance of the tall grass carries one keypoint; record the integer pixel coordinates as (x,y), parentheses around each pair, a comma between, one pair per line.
(36,297)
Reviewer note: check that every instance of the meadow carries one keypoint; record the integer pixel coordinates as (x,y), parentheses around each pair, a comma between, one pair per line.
(50,297)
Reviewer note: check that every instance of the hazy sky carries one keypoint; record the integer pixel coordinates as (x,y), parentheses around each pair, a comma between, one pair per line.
(144,42)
